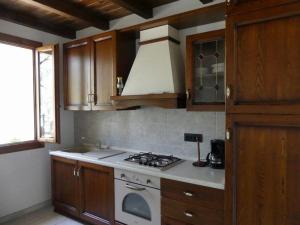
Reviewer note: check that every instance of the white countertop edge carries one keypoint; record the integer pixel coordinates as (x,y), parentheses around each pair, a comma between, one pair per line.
(161,174)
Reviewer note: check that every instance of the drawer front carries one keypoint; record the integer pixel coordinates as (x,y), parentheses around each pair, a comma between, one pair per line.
(169,221)
(190,213)
(193,194)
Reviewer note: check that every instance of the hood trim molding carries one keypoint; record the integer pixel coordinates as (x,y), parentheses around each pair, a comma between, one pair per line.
(166,100)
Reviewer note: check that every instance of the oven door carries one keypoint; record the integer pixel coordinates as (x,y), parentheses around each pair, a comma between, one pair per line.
(136,204)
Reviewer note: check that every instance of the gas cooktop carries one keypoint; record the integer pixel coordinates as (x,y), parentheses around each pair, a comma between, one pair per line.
(161,162)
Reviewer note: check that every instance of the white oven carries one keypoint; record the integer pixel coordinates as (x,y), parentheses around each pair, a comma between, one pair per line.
(137,198)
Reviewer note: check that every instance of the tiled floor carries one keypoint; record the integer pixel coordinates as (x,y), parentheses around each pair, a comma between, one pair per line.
(43,217)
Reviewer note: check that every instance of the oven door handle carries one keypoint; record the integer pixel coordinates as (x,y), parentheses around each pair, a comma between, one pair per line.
(135,188)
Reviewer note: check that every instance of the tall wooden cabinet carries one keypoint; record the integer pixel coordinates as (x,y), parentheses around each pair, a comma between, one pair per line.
(92,66)
(263,113)
(83,190)
(263,61)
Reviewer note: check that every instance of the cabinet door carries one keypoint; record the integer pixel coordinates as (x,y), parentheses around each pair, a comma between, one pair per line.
(65,193)
(242,6)
(96,193)
(263,170)
(205,71)
(263,61)
(103,70)
(77,73)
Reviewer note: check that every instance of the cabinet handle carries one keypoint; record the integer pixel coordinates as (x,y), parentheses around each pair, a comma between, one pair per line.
(78,172)
(188,194)
(187,94)
(90,98)
(228,135)
(188,214)
(74,172)
(228,92)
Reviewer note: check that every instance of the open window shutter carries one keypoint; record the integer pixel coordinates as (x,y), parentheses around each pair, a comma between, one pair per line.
(47,94)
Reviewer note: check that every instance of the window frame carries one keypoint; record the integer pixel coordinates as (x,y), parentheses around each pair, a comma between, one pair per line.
(36,143)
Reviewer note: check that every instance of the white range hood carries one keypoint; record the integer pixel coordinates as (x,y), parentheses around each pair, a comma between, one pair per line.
(158,66)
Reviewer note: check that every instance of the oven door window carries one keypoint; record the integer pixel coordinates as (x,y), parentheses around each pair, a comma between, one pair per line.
(136,205)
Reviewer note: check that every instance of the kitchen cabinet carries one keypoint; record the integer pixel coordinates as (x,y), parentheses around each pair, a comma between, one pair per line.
(205,71)
(92,66)
(262,170)
(195,204)
(77,70)
(263,61)
(83,190)
(96,193)
(65,185)
(243,6)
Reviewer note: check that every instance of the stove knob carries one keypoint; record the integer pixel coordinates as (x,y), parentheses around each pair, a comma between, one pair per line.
(148,181)
(140,163)
(123,175)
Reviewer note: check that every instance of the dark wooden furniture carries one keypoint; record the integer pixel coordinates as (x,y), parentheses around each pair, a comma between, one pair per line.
(64,18)
(184,203)
(262,170)
(205,70)
(243,6)
(263,61)
(168,101)
(91,67)
(263,106)
(83,190)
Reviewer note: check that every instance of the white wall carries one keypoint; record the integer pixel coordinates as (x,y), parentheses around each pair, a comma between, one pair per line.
(25,176)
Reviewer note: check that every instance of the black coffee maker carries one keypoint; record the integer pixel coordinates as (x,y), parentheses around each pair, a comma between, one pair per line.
(216,158)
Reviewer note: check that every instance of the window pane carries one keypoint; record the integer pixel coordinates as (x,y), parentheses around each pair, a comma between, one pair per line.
(47,94)
(16,94)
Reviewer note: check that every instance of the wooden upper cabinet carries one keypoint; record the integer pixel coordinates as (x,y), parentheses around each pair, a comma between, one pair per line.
(65,185)
(205,71)
(77,79)
(262,170)
(103,70)
(92,66)
(263,61)
(96,193)
(243,6)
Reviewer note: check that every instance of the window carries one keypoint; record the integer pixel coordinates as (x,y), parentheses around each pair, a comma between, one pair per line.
(29,98)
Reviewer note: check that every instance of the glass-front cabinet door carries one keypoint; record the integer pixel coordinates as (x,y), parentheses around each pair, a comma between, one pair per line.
(205,71)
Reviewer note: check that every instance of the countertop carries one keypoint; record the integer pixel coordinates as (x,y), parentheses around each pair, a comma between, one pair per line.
(184,172)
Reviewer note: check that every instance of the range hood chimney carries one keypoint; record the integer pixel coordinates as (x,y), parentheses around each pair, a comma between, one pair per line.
(157,72)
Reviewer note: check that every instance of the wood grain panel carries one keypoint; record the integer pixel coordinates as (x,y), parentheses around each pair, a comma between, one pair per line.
(64,185)
(263,172)
(243,6)
(198,214)
(97,193)
(193,194)
(104,70)
(263,61)
(77,74)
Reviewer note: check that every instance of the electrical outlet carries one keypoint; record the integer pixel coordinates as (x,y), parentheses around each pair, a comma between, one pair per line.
(193,137)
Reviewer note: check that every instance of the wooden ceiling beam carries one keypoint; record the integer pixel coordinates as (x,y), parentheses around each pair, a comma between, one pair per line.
(136,6)
(33,22)
(74,10)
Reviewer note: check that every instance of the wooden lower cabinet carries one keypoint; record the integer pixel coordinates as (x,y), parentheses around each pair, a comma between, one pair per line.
(263,170)
(83,190)
(65,185)
(96,193)
(188,204)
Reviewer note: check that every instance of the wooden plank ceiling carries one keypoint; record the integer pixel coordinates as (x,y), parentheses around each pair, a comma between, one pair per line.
(65,17)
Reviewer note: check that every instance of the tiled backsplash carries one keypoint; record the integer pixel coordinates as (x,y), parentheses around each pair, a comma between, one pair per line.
(150,129)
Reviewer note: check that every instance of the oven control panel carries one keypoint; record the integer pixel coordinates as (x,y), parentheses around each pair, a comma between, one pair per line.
(137,178)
